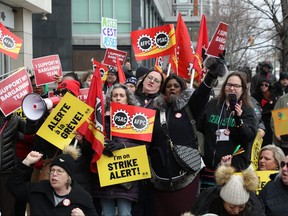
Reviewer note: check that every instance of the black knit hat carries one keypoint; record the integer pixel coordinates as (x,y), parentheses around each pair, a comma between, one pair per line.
(66,160)
(141,71)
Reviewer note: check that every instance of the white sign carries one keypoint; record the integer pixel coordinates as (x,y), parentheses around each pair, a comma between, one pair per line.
(108,33)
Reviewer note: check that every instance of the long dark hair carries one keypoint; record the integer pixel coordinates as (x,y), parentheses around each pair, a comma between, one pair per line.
(245,97)
(177,78)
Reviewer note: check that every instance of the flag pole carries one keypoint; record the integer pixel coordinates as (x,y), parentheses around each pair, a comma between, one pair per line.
(168,70)
(192,78)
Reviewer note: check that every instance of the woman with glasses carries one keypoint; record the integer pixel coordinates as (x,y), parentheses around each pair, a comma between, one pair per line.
(266,100)
(229,127)
(275,193)
(60,194)
(148,88)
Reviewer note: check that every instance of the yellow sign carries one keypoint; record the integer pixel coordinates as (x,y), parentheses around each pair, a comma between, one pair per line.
(264,178)
(63,121)
(256,147)
(128,164)
(280,118)
(20,113)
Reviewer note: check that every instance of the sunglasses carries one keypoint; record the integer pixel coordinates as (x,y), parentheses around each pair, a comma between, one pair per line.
(266,85)
(283,163)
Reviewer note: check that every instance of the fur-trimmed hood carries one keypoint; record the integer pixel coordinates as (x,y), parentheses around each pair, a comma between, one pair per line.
(161,103)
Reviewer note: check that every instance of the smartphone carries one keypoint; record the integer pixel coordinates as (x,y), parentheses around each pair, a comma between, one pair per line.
(232,100)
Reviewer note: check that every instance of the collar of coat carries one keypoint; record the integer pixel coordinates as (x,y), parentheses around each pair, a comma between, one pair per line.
(74,195)
(176,105)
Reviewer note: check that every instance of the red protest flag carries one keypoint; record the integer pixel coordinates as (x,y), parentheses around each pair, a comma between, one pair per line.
(159,64)
(121,74)
(10,44)
(153,42)
(93,128)
(174,61)
(102,68)
(185,49)
(202,43)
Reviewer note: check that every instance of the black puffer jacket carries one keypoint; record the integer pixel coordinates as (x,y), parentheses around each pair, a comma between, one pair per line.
(9,126)
(275,198)
(209,201)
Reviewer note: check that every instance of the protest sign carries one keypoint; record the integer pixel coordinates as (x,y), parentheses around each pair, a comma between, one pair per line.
(264,178)
(45,68)
(280,118)
(128,164)
(65,118)
(83,94)
(256,147)
(110,57)
(13,89)
(217,44)
(108,37)
(132,122)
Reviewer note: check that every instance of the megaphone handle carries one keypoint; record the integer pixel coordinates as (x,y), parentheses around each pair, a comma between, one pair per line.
(75,143)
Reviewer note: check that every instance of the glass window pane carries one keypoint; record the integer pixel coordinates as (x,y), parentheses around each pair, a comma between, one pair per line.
(108,8)
(80,10)
(122,10)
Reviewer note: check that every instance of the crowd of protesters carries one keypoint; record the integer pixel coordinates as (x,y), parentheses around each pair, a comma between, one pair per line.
(229,123)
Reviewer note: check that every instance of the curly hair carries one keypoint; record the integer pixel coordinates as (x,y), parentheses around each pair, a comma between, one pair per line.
(131,99)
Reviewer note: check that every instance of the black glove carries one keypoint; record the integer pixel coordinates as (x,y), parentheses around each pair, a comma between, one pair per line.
(216,68)
(111,146)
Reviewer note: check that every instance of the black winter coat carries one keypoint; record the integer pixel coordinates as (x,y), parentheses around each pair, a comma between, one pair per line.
(40,195)
(10,126)
(275,198)
(209,201)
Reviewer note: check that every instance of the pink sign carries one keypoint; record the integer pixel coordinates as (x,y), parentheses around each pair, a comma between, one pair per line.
(13,89)
(45,68)
(110,57)
(83,94)
(217,44)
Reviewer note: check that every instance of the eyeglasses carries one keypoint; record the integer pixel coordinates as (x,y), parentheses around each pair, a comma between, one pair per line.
(236,86)
(151,78)
(283,163)
(62,92)
(57,171)
(266,85)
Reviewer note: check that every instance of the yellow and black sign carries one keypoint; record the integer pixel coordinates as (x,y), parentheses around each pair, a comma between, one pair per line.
(128,164)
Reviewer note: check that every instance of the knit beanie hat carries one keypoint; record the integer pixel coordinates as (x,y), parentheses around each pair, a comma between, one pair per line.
(236,188)
(141,71)
(283,75)
(132,80)
(66,160)
(72,85)
(233,191)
